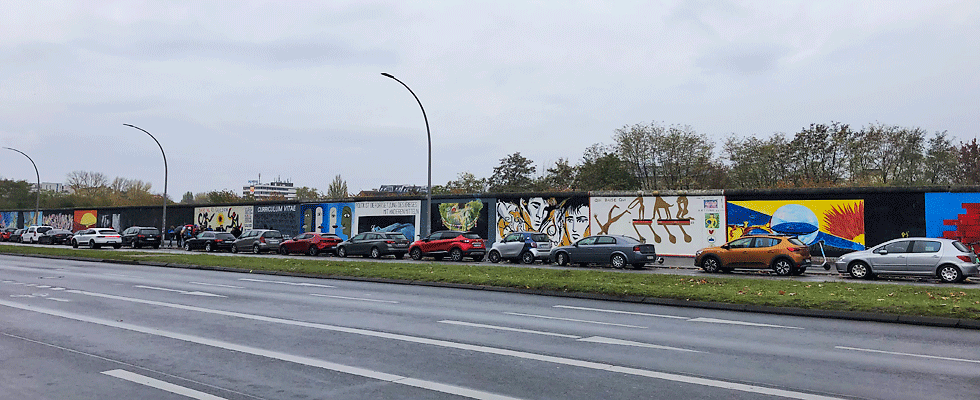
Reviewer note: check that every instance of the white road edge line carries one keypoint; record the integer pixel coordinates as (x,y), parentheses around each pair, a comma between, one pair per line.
(908,354)
(504,328)
(366,373)
(218,285)
(158,384)
(286,283)
(469,347)
(195,293)
(353,298)
(575,320)
(620,312)
(605,340)
(731,322)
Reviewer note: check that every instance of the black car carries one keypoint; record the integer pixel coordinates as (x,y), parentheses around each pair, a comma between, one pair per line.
(616,250)
(16,236)
(374,245)
(55,236)
(139,236)
(210,241)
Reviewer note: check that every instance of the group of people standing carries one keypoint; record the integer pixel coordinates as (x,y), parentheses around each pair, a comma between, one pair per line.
(184,232)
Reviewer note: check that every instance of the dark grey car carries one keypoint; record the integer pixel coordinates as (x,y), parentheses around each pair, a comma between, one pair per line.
(618,251)
(374,245)
(258,241)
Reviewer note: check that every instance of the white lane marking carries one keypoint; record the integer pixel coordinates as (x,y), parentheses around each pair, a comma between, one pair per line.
(620,312)
(124,276)
(354,298)
(730,322)
(908,354)
(218,285)
(158,384)
(397,379)
(57,299)
(286,283)
(469,347)
(57,288)
(574,320)
(504,328)
(600,339)
(180,291)
(43,286)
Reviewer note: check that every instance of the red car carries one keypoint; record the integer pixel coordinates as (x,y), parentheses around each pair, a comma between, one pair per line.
(455,244)
(5,234)
(311,243)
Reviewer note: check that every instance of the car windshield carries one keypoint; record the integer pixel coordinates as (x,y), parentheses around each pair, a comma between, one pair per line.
(397,236)
(273,235)
(961,247)
(107,232)
(149,231)
(470,235)
(224,235)
(43,229)
(540,237)
(796,241)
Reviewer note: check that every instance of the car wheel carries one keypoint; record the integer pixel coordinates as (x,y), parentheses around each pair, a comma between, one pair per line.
(638,265)
(456,255)
(117,246)
(950,274)
(156,246)
(341,252)
(494,256)
(618,261)
(208,248)
(561,259)
(136,245)
(416,254)
(256,249)
(710,265)
(187,247)
(74,244)
(400,256)
(859,270)
(527,257)
(234,249)
(313,251)
(92,244)
(375,253)
(782,267)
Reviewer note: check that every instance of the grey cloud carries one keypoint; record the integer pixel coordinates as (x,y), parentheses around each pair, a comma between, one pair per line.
(743,59)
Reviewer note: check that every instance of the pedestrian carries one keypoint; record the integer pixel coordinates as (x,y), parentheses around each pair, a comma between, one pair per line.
(170,235)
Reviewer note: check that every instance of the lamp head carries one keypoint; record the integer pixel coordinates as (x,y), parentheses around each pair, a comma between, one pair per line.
(388,75)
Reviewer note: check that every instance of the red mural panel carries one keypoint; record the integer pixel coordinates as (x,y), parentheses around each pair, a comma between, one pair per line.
(84,219)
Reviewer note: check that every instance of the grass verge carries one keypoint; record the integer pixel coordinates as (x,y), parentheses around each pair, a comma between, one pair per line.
(949,302)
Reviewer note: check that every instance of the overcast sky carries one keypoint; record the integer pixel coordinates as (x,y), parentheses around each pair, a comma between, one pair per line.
(292,89)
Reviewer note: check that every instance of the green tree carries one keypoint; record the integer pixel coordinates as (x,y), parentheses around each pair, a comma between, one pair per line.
(222,196)
(941,161)
(308,194)
(559,177)
(636,146)
(514,174)
(16,194)
(686,158)
(604,170)
(338,188)
(969,162)
(465,183)
(755,162)
(819,155)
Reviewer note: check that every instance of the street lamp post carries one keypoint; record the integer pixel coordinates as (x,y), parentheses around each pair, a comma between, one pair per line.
(163,222)
(37,203)
(426,225)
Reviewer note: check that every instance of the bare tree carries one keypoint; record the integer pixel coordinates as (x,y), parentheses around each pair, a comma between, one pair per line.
(757,163)
(636,145)
(940,163)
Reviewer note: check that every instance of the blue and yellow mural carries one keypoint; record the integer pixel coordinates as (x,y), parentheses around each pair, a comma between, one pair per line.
(8,219)
(838,223)
(336,218)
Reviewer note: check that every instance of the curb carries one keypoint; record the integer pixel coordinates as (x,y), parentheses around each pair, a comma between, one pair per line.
(791,311)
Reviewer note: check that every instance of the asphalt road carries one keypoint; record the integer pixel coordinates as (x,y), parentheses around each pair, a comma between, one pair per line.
(85,330)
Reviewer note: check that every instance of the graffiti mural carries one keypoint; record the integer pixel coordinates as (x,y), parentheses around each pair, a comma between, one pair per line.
(8,219)
(284,218)
(336,218)
(224,218)
(954,216)
(388,216)
(109,220)
(564,220)
(30,219)
(468,216)
(85,219)
(58,220)
(676,225)
(838,223)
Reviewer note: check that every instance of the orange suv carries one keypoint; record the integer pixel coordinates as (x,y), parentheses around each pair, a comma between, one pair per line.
(785,255)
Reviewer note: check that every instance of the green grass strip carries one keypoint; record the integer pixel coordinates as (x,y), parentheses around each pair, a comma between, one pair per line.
(936,301)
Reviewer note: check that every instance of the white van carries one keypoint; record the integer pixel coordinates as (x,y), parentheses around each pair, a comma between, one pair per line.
(34,232)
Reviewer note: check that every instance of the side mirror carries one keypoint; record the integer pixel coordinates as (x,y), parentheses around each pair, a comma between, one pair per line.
(883,251)
(726,246)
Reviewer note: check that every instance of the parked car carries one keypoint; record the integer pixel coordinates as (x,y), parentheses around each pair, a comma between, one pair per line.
(455,244)
(785,255)
(947,259)
(16,236)
(56,236)
(258,240)
(311,243)
(5,234)
(616,250)
(525,247)
(97,237)
(34,232)
(374,245)
(210,241)
(139,236)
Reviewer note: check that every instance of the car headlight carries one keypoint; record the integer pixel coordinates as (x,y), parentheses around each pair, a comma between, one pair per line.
(698,253)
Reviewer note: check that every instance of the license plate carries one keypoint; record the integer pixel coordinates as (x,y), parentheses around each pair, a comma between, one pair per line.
(477,245)
(649,257)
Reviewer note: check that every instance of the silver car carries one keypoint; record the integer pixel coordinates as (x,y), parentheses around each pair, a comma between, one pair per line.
(258,241)
(523,246)
(947,259)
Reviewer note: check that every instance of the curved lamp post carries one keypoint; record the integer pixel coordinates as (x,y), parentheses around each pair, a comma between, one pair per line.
(163,222)
(37,204)
(426,225)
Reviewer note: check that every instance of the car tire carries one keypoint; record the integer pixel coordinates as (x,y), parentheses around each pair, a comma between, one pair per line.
(400,256)
(375,253)
(456,255)
(494,256)
(416,254)
(74,244)
(638,265)
(618,261)
(527,257)
(313,251)
(187,246)
(782,267)
(710,265)
(136,245)
(256,249)
(92,245)
(949,274)
(859,270)
(208,248)
(234,249)
(561,259)
(117,246)
(342,252)
(156,246)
